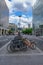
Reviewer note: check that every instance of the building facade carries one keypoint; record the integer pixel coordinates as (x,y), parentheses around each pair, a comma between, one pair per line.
(38,16)
(4,17)
(13,27)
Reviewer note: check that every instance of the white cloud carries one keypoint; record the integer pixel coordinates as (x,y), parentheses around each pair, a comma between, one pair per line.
(8,4)
(23,21)
(15,19)
(21,1)
(25,6)
(30,19)
(33,2)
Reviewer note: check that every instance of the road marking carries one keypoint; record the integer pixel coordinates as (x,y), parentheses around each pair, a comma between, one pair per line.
(30,54)
(32,37)
(5,45)
(22,54)
(41,37)
(38,38)
(39,50)
(37,47)
(3,40)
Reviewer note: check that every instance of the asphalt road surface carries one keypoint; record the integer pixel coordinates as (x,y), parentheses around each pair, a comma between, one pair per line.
(5,39)
(22,60)
(38,40)
(30,57)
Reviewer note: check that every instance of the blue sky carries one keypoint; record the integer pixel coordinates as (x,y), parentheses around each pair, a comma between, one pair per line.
(21,8)
(10,0)
(20,13)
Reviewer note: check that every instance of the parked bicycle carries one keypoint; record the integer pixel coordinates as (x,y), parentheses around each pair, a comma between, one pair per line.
(17,44)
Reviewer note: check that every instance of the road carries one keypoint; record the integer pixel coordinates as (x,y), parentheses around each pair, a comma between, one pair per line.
(22,60)
(38,40)
(30,57)
(5,39)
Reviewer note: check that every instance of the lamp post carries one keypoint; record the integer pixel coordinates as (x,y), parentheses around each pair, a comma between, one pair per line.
(19,20)
(19,24)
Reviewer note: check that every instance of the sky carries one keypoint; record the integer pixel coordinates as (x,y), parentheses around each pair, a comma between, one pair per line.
(21,8)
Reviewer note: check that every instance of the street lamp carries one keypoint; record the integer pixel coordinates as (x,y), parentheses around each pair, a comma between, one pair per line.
(19,21)
(19,24)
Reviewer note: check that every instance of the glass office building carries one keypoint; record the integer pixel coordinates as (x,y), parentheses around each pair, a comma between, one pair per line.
(4,17)
(38,15)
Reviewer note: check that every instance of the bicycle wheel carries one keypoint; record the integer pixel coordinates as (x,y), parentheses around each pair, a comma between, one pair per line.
(9,48)
(33,46)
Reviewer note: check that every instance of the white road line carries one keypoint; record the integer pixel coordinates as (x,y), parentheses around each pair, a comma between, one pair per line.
(31,54)
(5,45)
(39,50)
(34,37)
(3,40)
(22,54)
(39,38)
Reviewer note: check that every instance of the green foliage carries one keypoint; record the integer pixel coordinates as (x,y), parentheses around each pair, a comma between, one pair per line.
(27,31)
(10,31)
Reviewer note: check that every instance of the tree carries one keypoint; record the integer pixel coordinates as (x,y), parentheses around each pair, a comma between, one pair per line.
(27,31)
(9,32)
